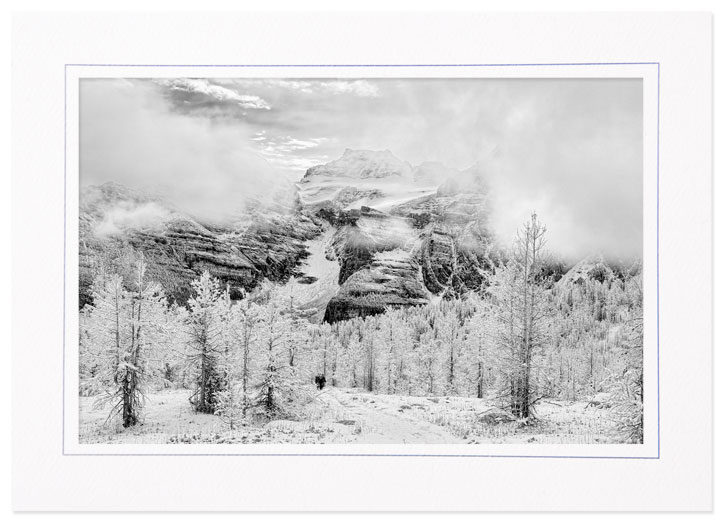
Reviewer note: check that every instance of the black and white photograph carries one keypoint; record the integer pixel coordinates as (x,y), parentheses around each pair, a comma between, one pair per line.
(361,261)
(357,260)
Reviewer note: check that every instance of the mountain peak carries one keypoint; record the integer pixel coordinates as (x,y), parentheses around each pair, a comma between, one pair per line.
(362,164)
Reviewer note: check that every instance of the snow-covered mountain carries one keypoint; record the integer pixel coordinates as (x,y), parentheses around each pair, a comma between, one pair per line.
(359,234)
(403,235)
(376,179)
(597,268)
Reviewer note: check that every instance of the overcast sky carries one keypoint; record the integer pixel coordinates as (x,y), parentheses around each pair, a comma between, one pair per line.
(569,149)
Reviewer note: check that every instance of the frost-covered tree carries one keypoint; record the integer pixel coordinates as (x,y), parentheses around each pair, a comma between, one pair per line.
(279,388)
(628,383)
(351,359)
(389,340)
(521,309)
(369,351)
(427,364)
(387,364)
(478,346)
(105,334)
(519,336)
(147,307)
(125,331)
(324,342)
(205,345)
(448,332)
(230,405)
(245,316)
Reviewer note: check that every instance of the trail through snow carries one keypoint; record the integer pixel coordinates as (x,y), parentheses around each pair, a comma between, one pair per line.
(383,421)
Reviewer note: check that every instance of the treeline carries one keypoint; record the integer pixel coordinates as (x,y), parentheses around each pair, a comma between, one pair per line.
(522,339)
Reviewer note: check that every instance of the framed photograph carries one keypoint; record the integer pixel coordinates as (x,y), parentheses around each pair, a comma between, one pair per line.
(415,269)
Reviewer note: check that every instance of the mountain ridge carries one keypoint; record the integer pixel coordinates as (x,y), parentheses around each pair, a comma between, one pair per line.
(416,247)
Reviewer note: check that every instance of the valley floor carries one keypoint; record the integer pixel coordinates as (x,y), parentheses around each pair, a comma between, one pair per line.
(339,415)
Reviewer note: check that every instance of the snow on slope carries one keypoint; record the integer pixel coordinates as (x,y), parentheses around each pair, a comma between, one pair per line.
(589,267)
(363,164)
(318,285)
(376,179)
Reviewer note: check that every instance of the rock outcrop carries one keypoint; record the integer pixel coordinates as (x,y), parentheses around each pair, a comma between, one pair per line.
(415,244)
(263,243)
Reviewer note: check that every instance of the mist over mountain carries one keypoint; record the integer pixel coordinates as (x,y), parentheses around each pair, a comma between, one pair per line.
(355,236)
(569,149)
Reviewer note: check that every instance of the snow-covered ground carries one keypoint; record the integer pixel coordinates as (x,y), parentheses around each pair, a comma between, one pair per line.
(351,416)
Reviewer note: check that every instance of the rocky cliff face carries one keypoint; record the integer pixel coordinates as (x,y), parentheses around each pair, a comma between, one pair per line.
(117,224)
(423,234)
(363,233)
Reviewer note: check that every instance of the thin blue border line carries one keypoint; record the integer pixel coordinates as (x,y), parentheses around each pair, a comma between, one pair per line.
(65,203)
(658,262)
(371,65)
(65,227)
(366,455)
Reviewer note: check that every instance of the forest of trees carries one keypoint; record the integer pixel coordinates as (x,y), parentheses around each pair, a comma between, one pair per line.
(521,339)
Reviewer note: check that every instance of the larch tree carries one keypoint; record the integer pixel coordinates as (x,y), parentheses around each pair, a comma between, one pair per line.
(245,315)
(205,345)
(147,307)
(628,383)
(278,386)
(478,343)
(521,308)
(448,330)
(351,360)
(126,332)
(228,403)
(387,342)
(106,337)
(325,344)
(427,363)
(367,340)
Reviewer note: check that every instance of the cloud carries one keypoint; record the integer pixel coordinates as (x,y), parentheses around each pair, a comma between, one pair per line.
(204,87)
(360,88)
(288,144)
(355,87)
(135,138)
(570,149)
(131,215)
(290,153)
